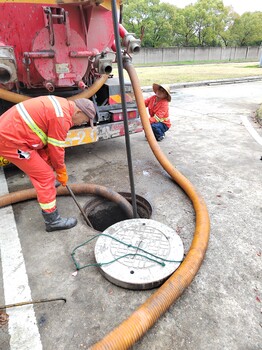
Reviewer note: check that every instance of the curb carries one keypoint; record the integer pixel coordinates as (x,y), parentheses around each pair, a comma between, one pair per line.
(173,87)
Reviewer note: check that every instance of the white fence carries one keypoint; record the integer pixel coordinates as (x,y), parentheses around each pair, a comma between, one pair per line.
(178,54)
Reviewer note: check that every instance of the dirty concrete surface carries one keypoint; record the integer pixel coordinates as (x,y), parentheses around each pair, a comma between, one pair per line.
(221,309)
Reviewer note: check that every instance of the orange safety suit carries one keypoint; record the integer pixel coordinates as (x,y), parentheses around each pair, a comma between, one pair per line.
(32,136)
(158,110)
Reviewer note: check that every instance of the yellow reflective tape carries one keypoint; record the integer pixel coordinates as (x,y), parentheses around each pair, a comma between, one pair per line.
(29,121)
(55,142)
(160,119)
(50,205)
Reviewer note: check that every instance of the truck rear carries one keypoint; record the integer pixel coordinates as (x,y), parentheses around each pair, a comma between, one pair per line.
(66,48)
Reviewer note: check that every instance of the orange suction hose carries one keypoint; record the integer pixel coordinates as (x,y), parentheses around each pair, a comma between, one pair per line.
(92,90)
(87,93)
(20,196)
(133,328)
(12,96)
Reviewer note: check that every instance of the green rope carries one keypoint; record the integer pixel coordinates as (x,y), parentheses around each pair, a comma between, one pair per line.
(78,267)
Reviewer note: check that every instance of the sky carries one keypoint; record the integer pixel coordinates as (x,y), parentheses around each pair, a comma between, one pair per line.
(239,6)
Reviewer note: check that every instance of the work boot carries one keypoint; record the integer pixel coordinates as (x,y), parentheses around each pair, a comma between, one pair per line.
(54,222)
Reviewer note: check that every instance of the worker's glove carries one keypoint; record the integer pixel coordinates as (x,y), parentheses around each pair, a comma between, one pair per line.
(61,176)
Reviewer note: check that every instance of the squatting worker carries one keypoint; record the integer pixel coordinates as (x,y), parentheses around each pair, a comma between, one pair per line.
(32,136)
(159,110)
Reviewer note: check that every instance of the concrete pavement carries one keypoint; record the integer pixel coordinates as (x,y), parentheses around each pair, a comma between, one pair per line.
(210,144)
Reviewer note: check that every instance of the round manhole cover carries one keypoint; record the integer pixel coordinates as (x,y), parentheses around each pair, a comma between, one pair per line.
(138,253)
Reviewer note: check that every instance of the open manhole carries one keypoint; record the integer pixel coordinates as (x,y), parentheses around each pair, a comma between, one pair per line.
(137,253)
(103,213)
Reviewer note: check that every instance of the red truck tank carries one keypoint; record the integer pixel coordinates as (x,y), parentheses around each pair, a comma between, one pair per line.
(66,48)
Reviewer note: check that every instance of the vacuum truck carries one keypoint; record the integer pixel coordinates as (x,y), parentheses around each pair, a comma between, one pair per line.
(67,48)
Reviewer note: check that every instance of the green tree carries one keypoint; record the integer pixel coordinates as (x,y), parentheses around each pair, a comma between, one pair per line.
(201,24)
(151,21)
(209,18)
(247,29)
(184,27)
(206,23)
(227,23)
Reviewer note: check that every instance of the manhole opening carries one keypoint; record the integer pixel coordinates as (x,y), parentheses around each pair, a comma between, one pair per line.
(103,213)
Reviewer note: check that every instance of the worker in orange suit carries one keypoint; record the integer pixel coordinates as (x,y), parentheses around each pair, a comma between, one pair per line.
(32,136)
(159,110)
